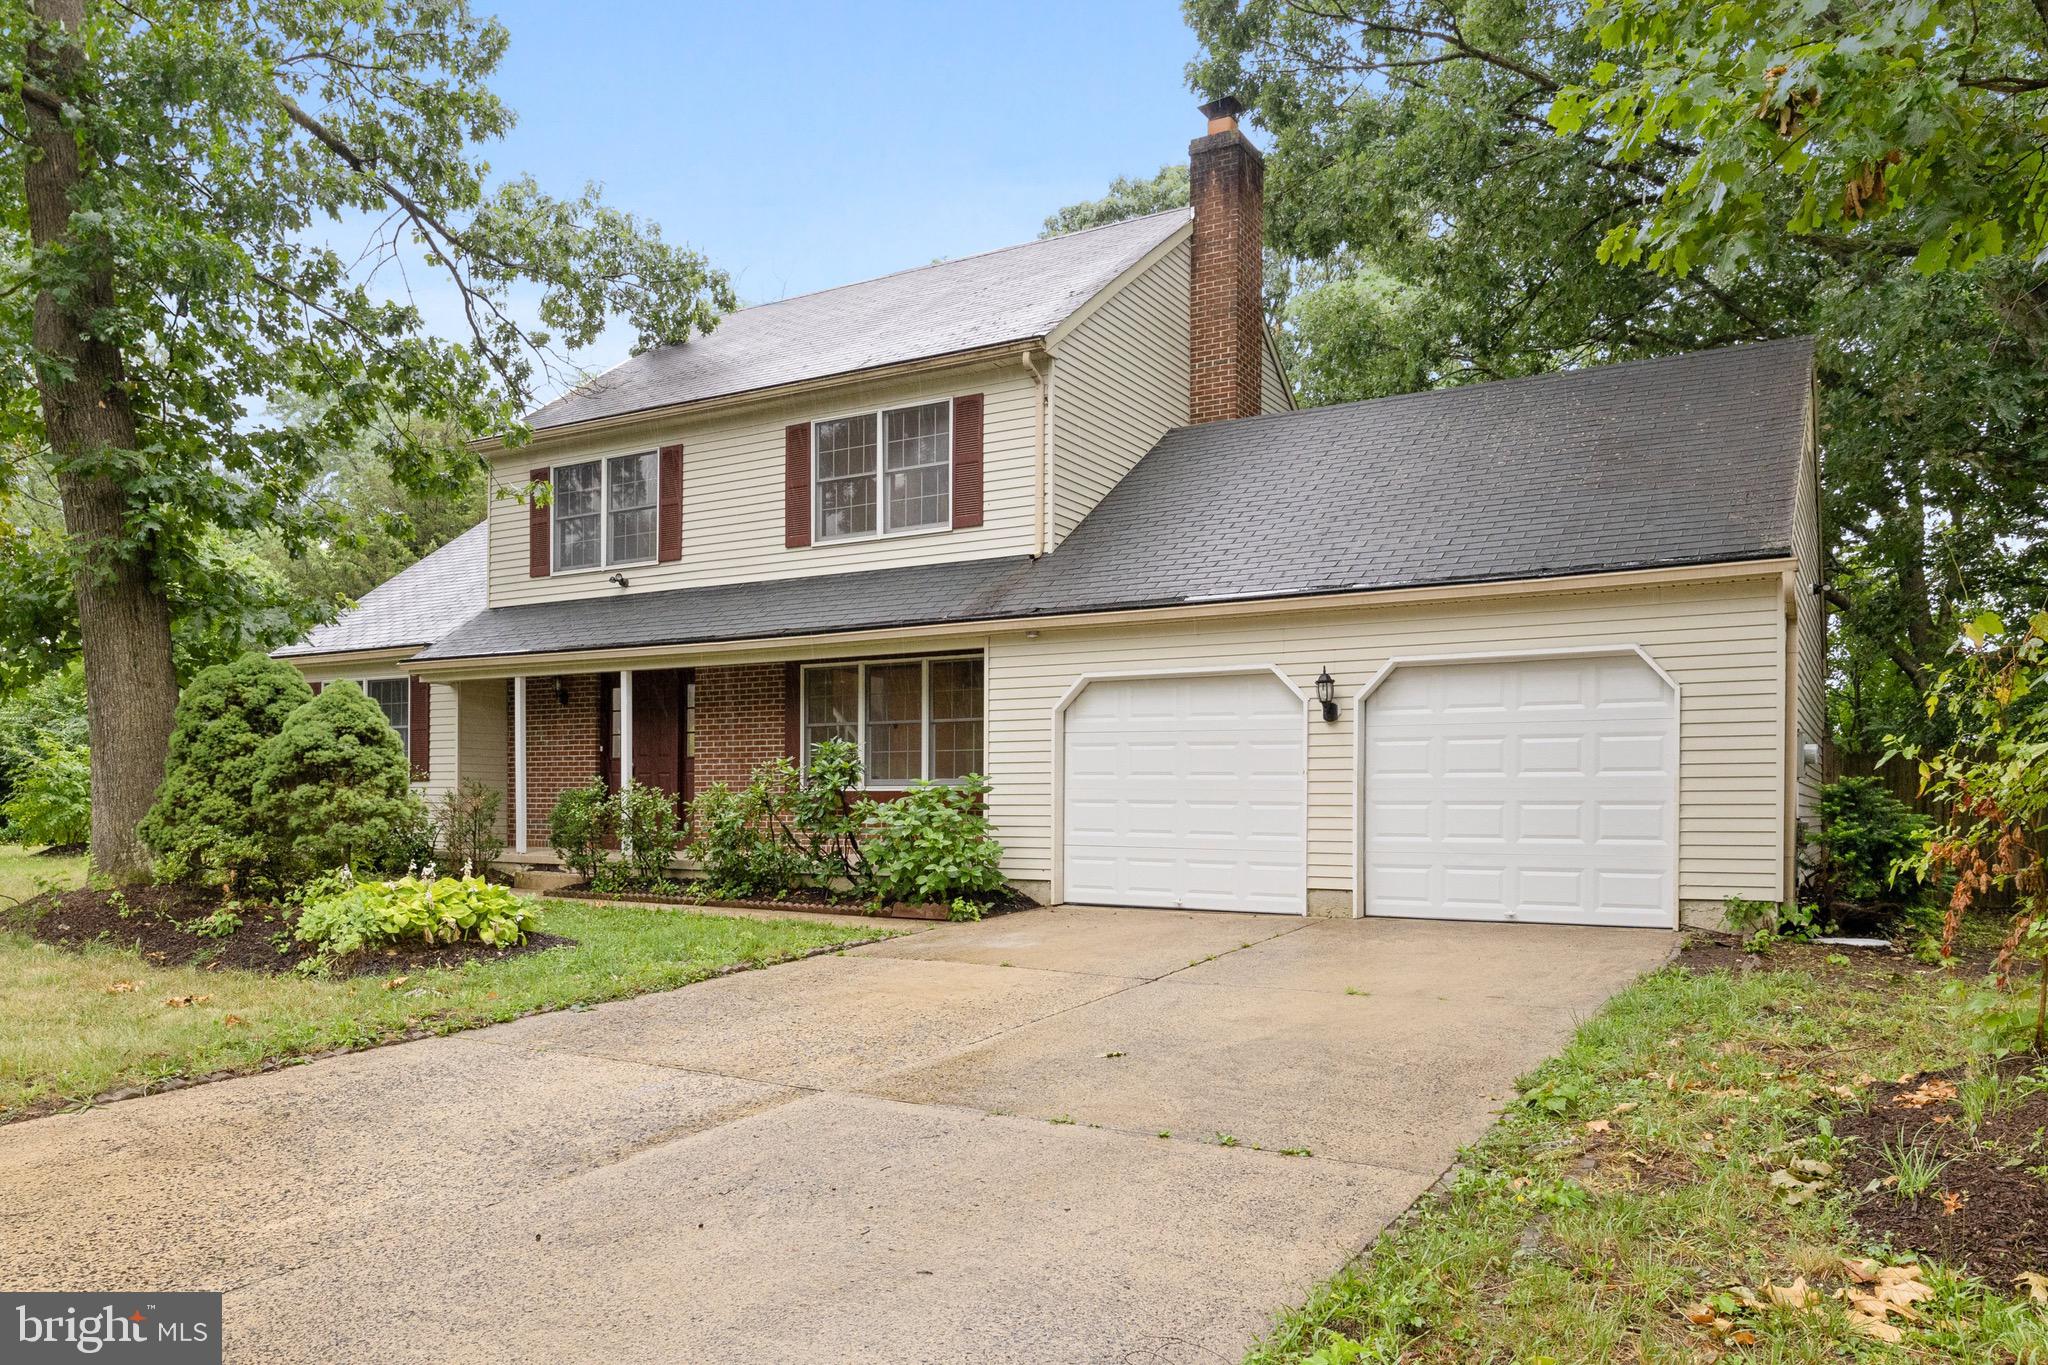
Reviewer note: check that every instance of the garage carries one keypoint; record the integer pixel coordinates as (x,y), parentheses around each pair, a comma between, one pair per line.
(1537,789)
(1186,792)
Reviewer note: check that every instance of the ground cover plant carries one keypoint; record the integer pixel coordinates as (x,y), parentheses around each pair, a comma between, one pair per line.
(90,1015)
(1715,1168)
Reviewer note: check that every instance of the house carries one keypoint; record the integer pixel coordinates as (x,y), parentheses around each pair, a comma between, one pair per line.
(1548,649)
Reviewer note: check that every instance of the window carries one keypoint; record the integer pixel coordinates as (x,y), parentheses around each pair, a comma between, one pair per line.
(905,485)
(911,718)
(394,698)
(604,511)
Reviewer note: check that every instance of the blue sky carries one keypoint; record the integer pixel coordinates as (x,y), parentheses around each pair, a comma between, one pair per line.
(803,145)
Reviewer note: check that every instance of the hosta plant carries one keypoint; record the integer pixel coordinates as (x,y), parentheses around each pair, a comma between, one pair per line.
(344,916)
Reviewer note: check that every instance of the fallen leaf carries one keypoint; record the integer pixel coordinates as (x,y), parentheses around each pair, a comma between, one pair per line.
(122,987)
(1745,1337)
(179,1002)
(1877,1328)
(231,1021)
(2035,1283)
(395,982)
(1598,1125)
(1626,1106)
(1952,1202)
(1793,1295)
(1935,1091)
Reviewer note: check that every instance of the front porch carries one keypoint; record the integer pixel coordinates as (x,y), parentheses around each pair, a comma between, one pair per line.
(681,726)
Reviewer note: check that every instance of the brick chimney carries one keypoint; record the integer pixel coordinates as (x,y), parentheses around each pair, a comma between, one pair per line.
(1226,341)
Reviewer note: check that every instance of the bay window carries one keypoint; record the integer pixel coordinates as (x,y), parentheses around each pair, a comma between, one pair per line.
(604,512)
(881,473)
(912,719)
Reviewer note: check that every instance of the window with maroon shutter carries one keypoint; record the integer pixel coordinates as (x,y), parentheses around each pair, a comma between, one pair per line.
(670,537)
(537,530)
(967,461)
(796,486)
(316,687)
(421,723)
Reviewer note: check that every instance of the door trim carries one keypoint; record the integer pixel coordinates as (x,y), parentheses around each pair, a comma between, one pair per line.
(1059,752)
(1618,649)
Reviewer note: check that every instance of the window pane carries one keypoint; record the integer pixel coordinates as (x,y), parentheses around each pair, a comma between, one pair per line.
(831,706)
(578,512)
(956,718)
(845,453)
(394,698)
(918,460)
(631,499)
(895,723)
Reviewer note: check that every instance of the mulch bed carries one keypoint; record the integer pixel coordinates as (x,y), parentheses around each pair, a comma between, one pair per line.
(160,923)
(819,902)
(1706,951)
(1986,1210)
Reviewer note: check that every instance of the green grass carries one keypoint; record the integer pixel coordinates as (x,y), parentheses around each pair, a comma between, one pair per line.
(69,1035)
(1561,1242)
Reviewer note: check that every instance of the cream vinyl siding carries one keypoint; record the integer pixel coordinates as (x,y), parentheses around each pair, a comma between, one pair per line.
(1273,393)
(1120,383)
(1721,642)
(475,744)
(1811,639)
(732,491)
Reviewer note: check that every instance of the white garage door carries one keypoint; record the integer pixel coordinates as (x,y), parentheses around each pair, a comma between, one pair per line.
(1187,793)
(1540,790)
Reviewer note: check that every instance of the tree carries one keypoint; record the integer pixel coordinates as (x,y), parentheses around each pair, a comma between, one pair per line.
(1449,231)
(205,822)
(333,789)
(1128,197)
(169,171)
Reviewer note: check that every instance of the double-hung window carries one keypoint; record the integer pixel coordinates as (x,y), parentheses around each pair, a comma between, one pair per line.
(911,718)
(604,511)
(394,698)
(882,473)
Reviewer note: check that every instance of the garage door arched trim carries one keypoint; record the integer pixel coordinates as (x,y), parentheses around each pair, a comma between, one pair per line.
(1619,649)
(1081,684)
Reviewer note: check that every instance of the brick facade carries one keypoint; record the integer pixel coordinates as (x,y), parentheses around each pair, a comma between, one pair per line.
(742,720)
(1227,331)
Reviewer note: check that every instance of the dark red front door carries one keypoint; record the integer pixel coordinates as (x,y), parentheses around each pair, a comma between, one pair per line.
(660,727)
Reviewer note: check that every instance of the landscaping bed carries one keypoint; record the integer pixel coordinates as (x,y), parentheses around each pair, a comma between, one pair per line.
(818,902)
(173,926)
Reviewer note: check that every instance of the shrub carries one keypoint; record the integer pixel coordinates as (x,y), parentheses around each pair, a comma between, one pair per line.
(1861,834)
(827,816)
(648,835)
(583,826)
(333,788)
(469,827)
(205,822)
(350,917)
(932,844)
(737,838)
(51,800)
(51,707)
(413,835)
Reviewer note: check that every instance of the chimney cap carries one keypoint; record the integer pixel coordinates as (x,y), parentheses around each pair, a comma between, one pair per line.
(1222,113)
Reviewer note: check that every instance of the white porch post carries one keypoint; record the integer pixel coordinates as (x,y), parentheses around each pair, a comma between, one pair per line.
(519,765)
(625,743)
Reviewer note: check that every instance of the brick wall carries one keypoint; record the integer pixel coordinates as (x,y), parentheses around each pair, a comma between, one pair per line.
(742,721)
(561,746)
(1226,338)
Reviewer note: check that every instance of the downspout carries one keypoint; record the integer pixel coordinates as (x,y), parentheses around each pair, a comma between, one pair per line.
(1041,473)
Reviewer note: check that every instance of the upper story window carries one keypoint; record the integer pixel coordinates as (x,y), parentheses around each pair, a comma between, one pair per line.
(880,473)
(604,511)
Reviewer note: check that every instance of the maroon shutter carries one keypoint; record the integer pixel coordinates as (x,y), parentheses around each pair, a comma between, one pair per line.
(669,535)
(316,686)
(796,486)
(537,529)
(967,461)
(420,713)
(793,711)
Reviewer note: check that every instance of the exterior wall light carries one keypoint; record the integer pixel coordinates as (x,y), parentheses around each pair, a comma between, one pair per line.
(619,579)
(1326,693)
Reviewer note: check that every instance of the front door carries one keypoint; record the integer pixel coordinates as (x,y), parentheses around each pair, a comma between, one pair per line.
(661,726)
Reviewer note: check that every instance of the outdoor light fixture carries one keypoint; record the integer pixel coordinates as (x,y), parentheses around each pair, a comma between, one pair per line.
(1326,693)
(561,690)
(619,579)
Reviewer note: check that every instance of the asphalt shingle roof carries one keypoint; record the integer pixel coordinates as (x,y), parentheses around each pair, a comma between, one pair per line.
(416,606)
(1687,460)
(1013,294)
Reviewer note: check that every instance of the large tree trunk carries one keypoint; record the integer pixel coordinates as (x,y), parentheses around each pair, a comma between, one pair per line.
(124,616)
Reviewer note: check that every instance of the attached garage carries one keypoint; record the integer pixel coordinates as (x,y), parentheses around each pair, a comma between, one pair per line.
(1537,789)
(1186,791)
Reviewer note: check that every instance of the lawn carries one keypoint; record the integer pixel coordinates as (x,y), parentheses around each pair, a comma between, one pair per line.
(1678,1158)
(78,1024)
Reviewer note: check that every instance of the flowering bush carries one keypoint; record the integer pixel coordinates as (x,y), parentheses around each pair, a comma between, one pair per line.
(343,916)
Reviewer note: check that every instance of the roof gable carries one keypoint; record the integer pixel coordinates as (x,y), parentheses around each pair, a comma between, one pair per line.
(1017,293)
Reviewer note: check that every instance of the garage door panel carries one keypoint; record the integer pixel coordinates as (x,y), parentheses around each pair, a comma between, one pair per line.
(1186,792)
(1557,805)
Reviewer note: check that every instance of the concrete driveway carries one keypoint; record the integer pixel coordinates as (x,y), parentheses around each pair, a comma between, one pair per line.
(996,1142)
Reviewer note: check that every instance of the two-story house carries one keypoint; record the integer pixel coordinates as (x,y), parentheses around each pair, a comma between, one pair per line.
(1546,650)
